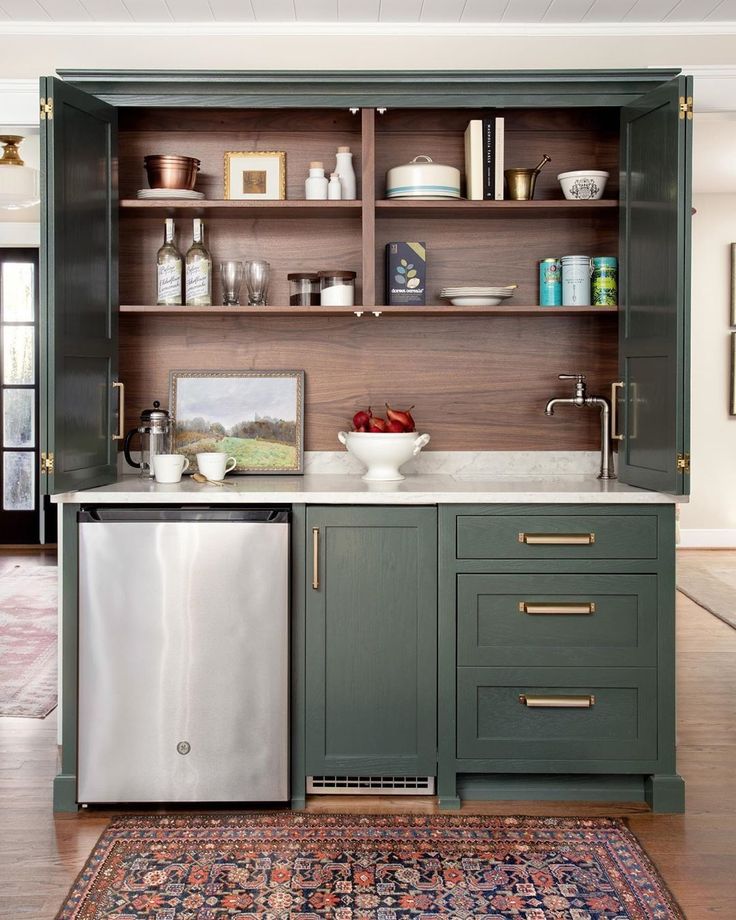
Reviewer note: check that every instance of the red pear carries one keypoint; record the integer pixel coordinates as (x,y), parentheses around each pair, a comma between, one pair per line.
(361,419)
(396,415)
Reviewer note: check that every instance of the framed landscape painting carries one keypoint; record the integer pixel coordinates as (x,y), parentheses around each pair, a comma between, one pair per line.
(255,416)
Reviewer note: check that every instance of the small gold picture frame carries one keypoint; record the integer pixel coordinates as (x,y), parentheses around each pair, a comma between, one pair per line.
(255,175)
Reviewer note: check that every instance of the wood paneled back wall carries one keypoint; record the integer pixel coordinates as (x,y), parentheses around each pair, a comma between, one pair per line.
(478,383)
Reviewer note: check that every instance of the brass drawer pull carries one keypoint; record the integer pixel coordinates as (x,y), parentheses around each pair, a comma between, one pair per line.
(557,702)
(573,609)
(315,558)
(120,387)
(557,539)
(617,385)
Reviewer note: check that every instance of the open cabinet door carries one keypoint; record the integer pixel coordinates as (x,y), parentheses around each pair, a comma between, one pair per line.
(79,289)
(654,340)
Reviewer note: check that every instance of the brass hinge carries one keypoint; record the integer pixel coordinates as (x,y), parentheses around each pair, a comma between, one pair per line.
(47,108)
(683,463)
(686,107)
(47,463)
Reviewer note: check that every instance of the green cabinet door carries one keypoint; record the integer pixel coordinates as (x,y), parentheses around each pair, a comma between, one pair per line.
(79,295)
(371,641)
(656,143)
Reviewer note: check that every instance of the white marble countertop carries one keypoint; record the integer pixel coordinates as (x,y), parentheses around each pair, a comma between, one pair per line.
(344,489)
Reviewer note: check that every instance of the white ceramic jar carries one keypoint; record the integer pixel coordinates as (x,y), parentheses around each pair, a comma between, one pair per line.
(346,172)
(575,281)
(315,187)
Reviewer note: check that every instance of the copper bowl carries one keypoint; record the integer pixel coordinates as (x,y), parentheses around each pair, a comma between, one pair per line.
(170,171)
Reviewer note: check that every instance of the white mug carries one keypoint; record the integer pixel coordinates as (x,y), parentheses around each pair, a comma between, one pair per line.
(215,464)
(169,467)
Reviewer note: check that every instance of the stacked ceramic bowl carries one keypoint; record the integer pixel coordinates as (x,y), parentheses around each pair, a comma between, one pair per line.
(171,176)
(478,296)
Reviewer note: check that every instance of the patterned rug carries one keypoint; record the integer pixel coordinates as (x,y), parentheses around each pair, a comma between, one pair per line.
(28,626)
(383,867)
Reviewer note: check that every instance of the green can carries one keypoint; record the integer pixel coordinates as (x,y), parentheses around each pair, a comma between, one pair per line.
(604,281)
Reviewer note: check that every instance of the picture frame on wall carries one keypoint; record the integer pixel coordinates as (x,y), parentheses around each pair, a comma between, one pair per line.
(255,416)
(258,175)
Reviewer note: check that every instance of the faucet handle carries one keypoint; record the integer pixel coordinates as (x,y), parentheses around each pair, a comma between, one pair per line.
(580,378)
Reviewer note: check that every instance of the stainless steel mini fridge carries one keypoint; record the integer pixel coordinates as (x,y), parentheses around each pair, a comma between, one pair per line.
(183,655)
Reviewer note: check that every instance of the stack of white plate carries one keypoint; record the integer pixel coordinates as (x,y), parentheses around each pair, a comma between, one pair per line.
(479,296)
(168,193)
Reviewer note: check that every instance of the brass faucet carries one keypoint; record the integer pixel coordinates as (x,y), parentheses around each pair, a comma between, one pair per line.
(581,400)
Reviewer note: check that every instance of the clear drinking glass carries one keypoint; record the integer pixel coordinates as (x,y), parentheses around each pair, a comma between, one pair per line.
(231,274)
(256,280)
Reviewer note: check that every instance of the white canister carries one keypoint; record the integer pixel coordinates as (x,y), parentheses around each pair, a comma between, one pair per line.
(337,288)
(346,172)
(315,187)
(575,281)
(334,187)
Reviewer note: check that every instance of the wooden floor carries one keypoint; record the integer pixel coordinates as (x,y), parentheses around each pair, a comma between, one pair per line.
(40,855)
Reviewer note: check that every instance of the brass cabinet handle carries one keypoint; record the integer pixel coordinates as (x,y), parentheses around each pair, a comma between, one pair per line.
(120,387)
(315,558)
(562,608)
(557,702)
(557,539)
(616,385)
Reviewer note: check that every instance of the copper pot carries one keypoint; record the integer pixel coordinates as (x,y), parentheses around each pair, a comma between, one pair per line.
(171,171)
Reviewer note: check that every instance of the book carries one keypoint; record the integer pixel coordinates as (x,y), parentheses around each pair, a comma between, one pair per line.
(499,159)
(474,160)
(489,158)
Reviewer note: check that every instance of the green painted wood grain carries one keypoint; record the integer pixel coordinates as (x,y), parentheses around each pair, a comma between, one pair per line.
(371,642)
(653,290)
(621,632)
(80,289)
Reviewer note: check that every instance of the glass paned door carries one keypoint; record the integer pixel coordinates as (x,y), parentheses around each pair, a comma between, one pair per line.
(19,514)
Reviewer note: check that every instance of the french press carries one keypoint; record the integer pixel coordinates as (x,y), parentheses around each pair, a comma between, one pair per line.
(155,432)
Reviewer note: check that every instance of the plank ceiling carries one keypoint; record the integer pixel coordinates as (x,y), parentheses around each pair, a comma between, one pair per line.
(341,11)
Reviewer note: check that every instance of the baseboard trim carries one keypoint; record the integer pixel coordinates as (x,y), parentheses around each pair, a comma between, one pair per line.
(696,538)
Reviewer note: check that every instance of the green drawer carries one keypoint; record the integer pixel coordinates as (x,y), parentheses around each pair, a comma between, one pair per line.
(576,620)
(495,723)
(561,535)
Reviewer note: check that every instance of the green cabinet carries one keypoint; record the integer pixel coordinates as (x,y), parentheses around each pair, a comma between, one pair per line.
(371,641)
(80,247)
(79,290)
(556,651)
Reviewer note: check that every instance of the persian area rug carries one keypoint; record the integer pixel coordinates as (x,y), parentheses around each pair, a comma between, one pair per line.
(284,865)
(710,581)
(28,627)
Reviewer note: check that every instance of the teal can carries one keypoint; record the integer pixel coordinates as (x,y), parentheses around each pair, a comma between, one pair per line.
(550,283)
(604,281)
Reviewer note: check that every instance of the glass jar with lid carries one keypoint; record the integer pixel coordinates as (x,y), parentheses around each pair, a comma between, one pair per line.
(303,289)
(337,288)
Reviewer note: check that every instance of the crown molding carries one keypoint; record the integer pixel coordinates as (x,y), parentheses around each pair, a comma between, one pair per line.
(407,31)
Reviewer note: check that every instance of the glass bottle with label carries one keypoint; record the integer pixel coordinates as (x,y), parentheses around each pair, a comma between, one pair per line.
(198,269)
(168,269)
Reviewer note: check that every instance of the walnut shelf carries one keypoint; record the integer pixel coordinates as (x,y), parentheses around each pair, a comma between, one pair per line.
(430,310)
(213,207)
(460,207)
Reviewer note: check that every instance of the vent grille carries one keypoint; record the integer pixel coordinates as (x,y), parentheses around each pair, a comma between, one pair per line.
(370,785)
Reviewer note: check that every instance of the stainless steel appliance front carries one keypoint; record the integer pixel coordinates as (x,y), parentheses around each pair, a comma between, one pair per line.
(183,655)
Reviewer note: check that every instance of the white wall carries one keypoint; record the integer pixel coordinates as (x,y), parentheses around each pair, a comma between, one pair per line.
(40,54)
(710,517)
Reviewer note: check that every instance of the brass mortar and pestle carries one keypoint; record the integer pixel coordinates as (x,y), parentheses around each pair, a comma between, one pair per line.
(520,182)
